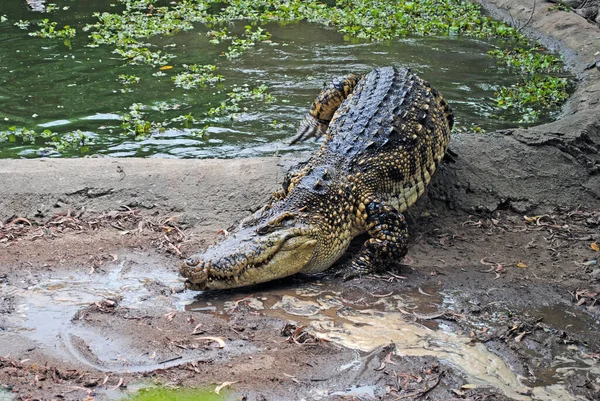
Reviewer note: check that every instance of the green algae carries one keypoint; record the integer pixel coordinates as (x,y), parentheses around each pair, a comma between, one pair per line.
(178,394)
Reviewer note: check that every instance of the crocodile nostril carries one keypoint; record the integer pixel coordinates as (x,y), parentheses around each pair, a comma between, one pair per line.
(192,261)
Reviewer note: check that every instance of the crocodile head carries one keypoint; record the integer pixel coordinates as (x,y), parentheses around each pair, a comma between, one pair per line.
(265,248)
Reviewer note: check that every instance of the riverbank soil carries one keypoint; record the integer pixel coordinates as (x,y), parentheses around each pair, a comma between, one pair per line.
(498,298)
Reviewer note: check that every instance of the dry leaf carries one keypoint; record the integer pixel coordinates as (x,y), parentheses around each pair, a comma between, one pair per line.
(424,293)
(595,246)
(532,219)
(218,340)
(522,265)
(166,67)
(222,385)
(196,329)
(519,338)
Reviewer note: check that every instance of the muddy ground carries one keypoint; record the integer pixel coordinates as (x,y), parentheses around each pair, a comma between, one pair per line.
(92,302)
(496,301)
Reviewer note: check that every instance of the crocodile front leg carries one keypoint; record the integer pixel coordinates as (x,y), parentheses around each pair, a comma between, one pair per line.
(388,243)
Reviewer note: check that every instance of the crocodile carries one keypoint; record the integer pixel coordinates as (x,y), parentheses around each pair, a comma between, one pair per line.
(385,134)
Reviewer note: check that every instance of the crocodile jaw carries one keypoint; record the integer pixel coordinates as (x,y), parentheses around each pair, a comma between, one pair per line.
(248,258)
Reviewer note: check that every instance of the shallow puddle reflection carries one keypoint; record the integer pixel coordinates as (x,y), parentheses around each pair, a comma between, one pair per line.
(392,319)
(408,318)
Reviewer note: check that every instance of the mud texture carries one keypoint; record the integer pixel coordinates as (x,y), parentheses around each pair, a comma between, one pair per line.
(503,259)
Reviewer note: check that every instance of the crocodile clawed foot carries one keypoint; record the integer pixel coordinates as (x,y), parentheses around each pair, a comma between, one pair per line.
(310,127)
(356,268)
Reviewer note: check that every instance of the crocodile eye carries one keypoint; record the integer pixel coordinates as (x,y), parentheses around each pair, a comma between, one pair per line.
(274,223)
(263,230)
(192,261)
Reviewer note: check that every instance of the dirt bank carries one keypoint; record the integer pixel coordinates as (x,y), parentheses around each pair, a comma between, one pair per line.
(498,297)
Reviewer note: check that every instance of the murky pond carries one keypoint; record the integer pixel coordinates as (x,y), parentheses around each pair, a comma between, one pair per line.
(44,84)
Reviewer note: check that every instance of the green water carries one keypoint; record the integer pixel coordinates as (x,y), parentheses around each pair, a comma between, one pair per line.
(46,85)
(182,394)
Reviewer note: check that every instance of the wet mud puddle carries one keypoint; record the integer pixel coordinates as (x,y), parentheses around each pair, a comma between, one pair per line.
(394,318)
(49,313)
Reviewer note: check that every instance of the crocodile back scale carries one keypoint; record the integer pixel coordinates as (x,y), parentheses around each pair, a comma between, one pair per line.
(385,135)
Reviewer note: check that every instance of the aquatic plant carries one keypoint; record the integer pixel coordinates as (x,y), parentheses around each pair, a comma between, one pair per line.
(48,29)
(536,94)
(135,122)
(538,91)
(22,135)
(52,142)
(363,19)
(78,140)
(135,30)
(197,76)
(22,24)
(533,60)
(127,81)
(250,38)
(237,95)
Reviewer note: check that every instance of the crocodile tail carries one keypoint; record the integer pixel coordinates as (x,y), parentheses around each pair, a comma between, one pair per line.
(322,109)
